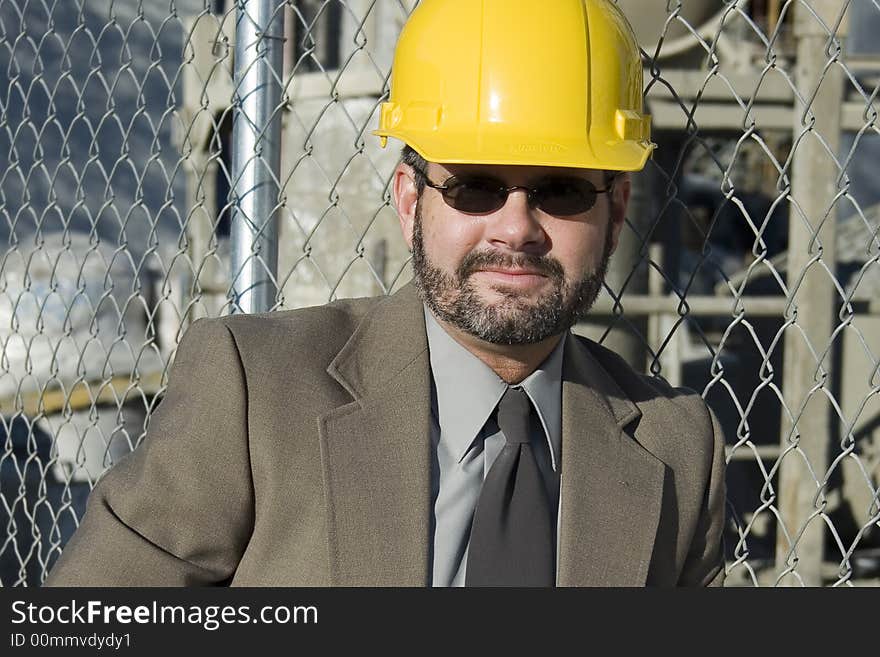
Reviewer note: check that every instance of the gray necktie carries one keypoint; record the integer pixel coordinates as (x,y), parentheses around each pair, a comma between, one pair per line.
(511,541)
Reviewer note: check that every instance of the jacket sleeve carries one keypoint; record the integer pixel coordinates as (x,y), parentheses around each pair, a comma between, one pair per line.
(178,511)
(704,565)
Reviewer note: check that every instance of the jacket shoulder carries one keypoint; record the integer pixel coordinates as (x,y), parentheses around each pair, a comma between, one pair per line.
(317,328)
(668,410)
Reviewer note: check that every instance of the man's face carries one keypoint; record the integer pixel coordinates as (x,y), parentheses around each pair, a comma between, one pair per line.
(517,275)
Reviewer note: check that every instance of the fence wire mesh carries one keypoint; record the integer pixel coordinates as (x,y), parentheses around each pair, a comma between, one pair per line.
(748,268)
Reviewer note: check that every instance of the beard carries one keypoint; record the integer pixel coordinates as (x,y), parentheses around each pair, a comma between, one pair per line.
(515,318)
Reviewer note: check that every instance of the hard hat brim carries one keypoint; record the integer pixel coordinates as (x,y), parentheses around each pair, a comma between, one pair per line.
(446,149)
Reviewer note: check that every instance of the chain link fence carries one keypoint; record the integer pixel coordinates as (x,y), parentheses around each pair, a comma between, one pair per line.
(155,168)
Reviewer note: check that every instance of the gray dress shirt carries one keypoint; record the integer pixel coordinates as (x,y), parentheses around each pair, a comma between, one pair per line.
(466,440)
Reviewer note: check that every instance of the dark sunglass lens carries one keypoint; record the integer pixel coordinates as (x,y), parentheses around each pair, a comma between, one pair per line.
(565,196)
(476,196)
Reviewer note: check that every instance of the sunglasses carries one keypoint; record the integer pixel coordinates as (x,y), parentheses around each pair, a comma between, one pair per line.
(560,196)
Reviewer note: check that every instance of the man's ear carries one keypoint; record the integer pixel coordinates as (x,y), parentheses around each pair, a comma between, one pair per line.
(406,197)
(619,201)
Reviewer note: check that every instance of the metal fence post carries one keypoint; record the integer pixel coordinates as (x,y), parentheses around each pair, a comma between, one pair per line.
(256,154)
(627,272)
(811,269)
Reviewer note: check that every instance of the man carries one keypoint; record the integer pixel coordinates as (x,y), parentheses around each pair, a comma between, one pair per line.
(456,432)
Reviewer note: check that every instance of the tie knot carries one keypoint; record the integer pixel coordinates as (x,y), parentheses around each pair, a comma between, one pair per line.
(513,415)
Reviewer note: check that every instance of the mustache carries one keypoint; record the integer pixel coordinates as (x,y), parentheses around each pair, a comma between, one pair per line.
(477,260)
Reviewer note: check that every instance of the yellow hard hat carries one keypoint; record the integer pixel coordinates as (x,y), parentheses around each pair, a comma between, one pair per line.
(550,82)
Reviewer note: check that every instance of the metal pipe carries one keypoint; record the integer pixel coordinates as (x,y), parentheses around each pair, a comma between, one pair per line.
(636,305)
(627,272)
(256,157)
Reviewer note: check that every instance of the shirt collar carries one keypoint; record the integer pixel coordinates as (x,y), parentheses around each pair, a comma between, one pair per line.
(468,391)
(544,388)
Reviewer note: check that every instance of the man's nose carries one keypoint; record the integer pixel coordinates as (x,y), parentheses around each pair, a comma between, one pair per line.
(516,225)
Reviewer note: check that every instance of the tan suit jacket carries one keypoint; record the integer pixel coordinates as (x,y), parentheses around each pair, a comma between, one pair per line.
(293,449)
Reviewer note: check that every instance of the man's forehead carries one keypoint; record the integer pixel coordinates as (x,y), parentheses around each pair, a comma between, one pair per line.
(516,171)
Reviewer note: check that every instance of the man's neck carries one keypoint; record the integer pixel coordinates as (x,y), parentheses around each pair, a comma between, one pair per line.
(513,363)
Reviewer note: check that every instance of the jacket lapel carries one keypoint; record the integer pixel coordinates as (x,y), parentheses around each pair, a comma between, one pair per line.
(376,450)
(611,487)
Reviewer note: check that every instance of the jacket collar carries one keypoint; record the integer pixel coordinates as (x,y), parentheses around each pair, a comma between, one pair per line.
(390,337)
